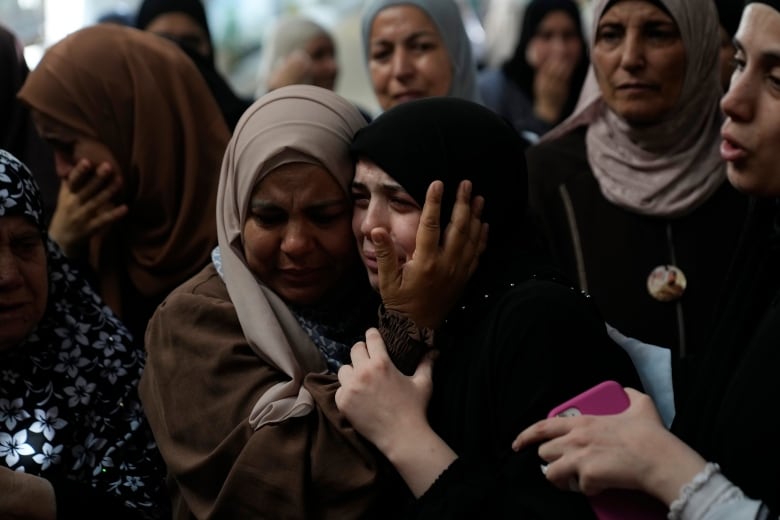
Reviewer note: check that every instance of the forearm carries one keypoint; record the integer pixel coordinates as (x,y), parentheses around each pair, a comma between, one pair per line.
(29,498)
(672,465)
(420,458)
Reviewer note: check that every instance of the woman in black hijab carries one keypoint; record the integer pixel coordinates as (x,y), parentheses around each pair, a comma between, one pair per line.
(518,341)
(185,22)
(17,131)
(539,85)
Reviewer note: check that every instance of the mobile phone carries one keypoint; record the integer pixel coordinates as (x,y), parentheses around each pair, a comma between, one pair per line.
(609,398)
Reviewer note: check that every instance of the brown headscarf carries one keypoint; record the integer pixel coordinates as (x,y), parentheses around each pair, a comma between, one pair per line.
(667,169)
(298,123)
(142,97)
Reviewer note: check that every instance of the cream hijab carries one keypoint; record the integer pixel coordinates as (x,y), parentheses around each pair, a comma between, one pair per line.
(298,123)
(670,168)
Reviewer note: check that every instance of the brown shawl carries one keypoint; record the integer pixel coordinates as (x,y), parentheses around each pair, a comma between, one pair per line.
(142,97)
(200,385)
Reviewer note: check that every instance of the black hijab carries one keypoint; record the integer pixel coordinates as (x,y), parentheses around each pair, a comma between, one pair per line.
(520,71)
(17,131)
(151,9)
(451,139)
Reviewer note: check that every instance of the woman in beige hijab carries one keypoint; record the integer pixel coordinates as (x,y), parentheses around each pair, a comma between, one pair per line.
(631,190)
(138,141)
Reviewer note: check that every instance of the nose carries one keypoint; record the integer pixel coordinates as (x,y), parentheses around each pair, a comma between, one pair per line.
(633,55)
(402,63)
(373,217)
(297,240)
(10,275)
(739,102)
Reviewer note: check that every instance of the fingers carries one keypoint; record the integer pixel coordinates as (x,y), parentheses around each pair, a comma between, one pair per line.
(429,230)
(359,353)
(375,345)
(79,175)
(386,258)
(543,430)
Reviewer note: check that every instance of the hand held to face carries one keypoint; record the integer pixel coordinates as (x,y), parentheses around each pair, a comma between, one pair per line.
(552,82)
(428,284)
(85,206)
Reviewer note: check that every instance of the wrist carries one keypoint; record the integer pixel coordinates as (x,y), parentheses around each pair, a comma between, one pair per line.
(669,473)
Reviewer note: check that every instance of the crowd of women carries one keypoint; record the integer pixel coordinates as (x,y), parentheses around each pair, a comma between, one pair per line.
(211,308)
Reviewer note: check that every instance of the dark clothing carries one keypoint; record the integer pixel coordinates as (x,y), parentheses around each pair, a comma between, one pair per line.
(17,131)
(541,343)
(508,100)
(729,416)
(611,251)
(515,345)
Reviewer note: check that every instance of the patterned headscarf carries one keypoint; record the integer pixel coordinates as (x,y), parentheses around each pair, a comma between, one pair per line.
(68,401)
(297,123)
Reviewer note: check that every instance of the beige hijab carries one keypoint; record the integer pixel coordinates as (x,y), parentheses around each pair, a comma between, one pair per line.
(143,98)
(670,168)
(298,123)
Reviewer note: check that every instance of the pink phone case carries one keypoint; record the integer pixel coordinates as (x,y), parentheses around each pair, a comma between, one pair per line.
(609,398)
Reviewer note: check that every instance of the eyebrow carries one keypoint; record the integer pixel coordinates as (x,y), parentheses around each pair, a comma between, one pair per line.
(770,57)
(263,204)
(384,187)
(412,36)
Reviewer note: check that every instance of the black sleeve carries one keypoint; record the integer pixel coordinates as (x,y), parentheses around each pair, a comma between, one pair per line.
(543,345)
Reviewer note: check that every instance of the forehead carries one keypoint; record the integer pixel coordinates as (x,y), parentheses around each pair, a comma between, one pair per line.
(11,225)
(371,175)
(634,11)
(401,21)
(300,181)
(759,29)
(177,24)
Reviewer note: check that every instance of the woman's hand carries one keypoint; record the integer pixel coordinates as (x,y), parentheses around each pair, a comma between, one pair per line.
(552,84)
(85,206)
(25,497)
(630,450)
(426,287)
(389,409)
(381,403)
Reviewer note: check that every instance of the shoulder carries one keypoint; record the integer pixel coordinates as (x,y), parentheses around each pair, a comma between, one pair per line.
(200,303)
(566,150)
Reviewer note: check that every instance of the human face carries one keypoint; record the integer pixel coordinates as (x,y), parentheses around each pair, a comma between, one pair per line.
(557,38)
(380,202)
(297,237)
(407,57)
(639,60)
(324,68)
(23,279)
(69,147)
(183,29)
(751,131)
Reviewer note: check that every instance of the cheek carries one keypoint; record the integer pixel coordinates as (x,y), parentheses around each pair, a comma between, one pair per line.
(260,248)
(339,242)
(438,70)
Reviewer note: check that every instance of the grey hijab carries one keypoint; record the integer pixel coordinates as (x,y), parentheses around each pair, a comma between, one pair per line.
(445,15)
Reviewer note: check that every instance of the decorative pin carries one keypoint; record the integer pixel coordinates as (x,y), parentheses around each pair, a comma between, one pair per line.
(666,283)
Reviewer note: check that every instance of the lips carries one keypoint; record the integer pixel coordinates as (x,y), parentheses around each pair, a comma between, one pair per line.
(409,95)
(637,87)
(730,149)
(301,276)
